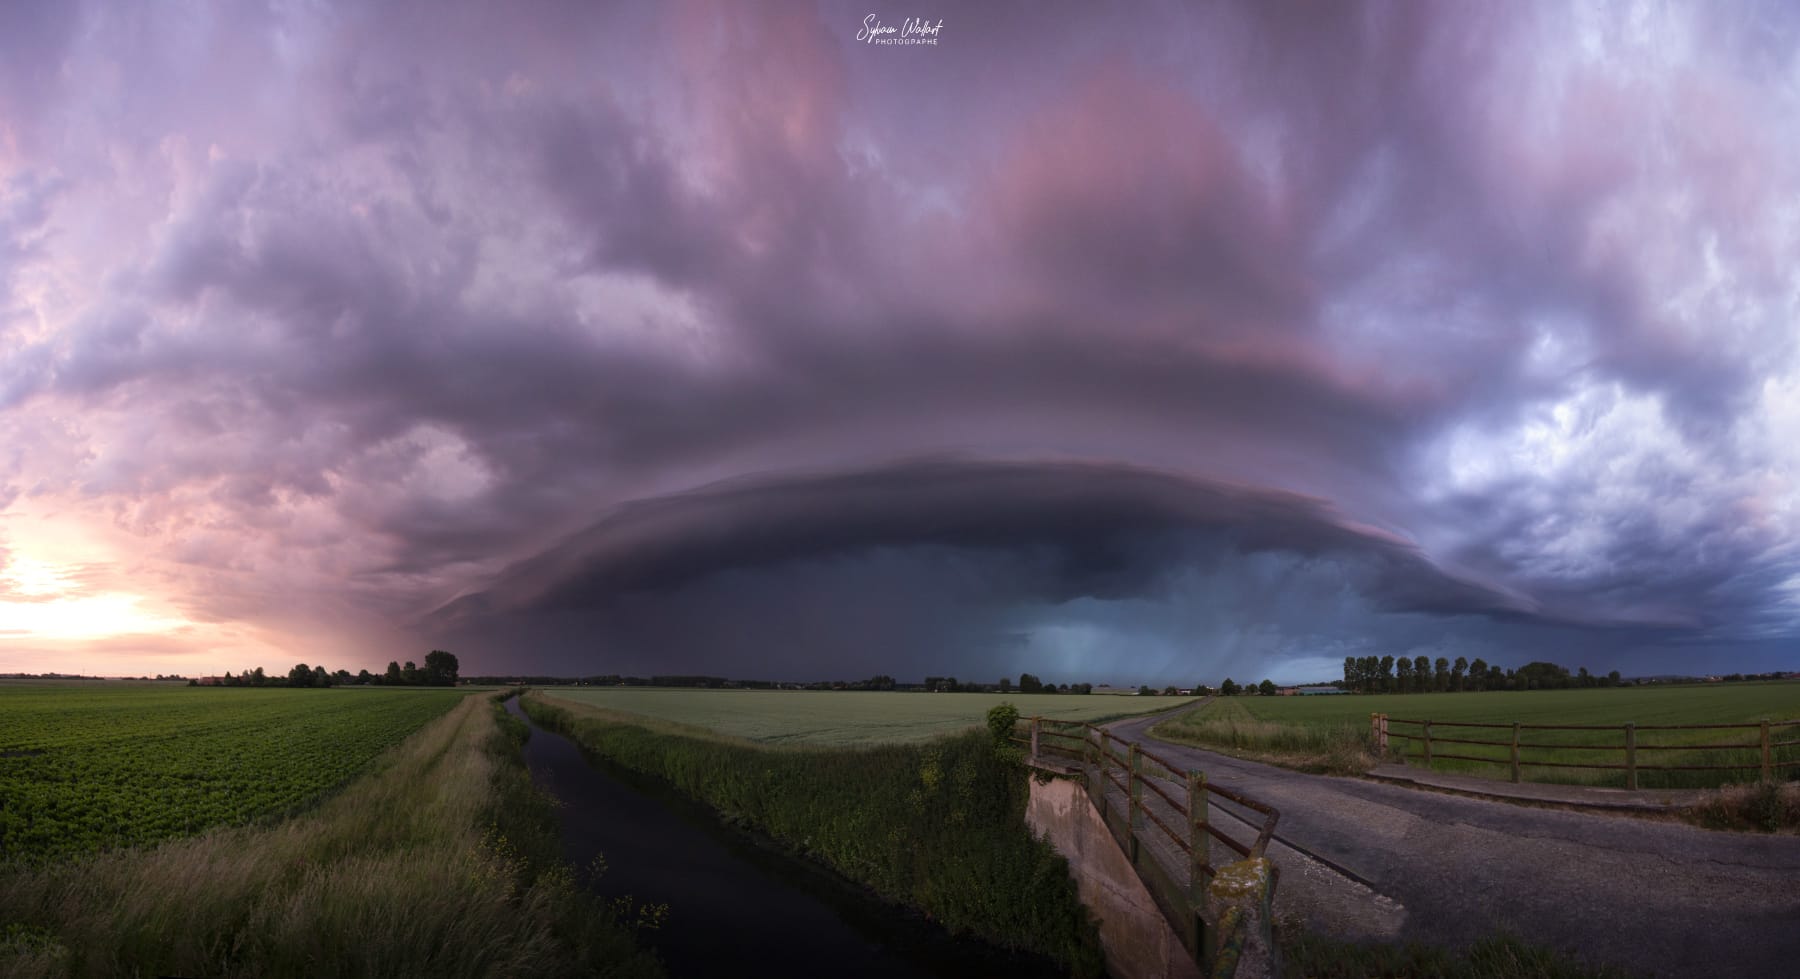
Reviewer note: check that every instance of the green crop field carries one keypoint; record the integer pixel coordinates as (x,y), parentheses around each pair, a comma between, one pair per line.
(94,767)
(846,717)
(1318,726)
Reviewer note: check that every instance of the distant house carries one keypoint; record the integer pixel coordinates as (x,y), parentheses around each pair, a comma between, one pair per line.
(1314,691)
(209,681)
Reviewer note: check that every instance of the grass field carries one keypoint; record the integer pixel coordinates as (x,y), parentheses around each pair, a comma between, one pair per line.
(439,860)
(846,717)
(1331,730)
(92,767)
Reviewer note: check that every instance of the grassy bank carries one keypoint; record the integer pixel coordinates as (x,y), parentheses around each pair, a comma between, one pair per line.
(1331,734)
(441,861)
(937,826)
(1226,724)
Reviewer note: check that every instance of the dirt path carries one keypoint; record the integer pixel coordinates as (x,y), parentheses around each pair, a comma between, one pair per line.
(1654,897)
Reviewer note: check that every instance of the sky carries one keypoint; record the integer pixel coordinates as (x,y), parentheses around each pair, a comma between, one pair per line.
(1148,343)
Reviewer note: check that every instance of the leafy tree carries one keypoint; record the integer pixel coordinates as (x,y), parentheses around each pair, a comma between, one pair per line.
(1404,674)
(1145,691)
(300,676)
(1229,688)
(1386,676)
(1351,673)
(1478,673)
(1266,688)
(257,678)
(1001,719)
(393,675)
(320,677)
(1030,684)
(440,669)
(1422,672)
(1006,684)
(364,676)
(1457,670)
(1441,679)
(1613,679)
(409,674)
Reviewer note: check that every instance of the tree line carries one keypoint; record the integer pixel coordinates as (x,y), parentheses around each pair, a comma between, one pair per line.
(440,670)
(1388,674)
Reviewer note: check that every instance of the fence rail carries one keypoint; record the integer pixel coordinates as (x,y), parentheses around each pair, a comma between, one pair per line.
(1419,733)
(1135,771)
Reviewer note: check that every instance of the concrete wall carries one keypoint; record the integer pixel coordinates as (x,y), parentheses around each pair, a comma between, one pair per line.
(1137,939)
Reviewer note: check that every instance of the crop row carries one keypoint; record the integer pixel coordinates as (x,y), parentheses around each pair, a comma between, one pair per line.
(85,769)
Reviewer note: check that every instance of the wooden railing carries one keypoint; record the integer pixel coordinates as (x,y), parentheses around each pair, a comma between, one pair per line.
(1165,808)
(1768,760)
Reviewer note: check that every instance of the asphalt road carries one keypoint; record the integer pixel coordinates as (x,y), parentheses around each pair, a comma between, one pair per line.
(1654,897)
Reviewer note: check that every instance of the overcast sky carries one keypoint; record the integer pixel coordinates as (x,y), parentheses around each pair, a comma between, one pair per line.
(1114,343)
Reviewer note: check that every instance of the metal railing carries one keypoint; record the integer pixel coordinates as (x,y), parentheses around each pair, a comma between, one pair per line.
(1768,761)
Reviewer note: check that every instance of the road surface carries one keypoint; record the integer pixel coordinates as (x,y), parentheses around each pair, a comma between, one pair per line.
(1660,898)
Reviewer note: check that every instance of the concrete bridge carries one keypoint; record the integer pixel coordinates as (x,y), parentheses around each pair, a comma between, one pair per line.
(1173,868)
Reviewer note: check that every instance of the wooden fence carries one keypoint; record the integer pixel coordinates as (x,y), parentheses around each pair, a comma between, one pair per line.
(1166,821)
(1768,760)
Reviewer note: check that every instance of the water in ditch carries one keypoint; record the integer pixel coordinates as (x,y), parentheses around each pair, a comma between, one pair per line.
(737,907)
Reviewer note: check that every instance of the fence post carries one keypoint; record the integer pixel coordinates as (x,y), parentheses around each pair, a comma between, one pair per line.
(1427,726)
(1199,840)
(1375,730)
(1767,769)
(1631,756)
(1036,724)
(1135,793)
(1384,735)
(1515,752)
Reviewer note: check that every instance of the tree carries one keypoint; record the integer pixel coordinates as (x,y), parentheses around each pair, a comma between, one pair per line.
(1030,684)
(1145,691)
(409,674)
(393,675)
(364,677)
(1266,688)
(1350,673)
(1229,688)
(1403,674)
(320,677)
(257,678)
(1613,678)
(1006,684)
(1441,679)
(1457,669)
(1386,676)
(1422,672)
(440,669)
(1478,673)
(300,676)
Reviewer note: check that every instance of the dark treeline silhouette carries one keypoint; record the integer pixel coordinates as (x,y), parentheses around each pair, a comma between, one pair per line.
(439,671)
(1387,674)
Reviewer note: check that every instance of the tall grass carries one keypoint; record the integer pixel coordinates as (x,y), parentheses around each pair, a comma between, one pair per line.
(441,861)
(937,826)
(1225,724)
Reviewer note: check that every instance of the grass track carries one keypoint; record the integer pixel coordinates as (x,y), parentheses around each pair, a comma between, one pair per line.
(846,717)
(441,860)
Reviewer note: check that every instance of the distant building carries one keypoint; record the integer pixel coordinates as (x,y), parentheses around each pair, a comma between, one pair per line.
(1313,691)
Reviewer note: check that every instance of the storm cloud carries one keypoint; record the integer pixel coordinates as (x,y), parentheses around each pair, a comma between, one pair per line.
(653,337)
